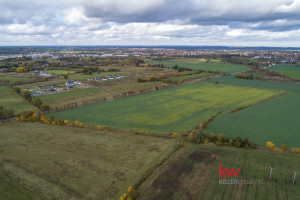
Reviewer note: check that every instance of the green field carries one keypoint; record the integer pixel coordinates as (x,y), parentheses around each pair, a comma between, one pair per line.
(14,79)
(60,72)
(228,68)
(193,173)
(191,76)
(231,80)
(276,120)
(288,70)
(56,162)
(170,110)
(74,95)
(10,99)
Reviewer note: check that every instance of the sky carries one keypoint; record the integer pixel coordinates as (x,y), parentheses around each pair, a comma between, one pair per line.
(150,22)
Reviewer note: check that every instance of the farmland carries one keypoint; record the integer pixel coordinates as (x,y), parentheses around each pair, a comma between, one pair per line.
(10,99)
(170,110)
(192,76)
(193,174)
(231,80)
(211,66)
(60,72)
(14,78)
(74,95)
(288,70)
(276,120)
(56,162)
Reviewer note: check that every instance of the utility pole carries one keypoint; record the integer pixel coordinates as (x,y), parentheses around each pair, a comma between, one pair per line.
(271,170)
(295,174)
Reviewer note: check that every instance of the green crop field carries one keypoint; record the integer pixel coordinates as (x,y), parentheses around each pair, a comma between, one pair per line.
(276,120)
(170,110)
(60,72)
(231,80)
(74,95)
(193,173)
(10,99)
(40,161)
(216,66)
(14,79)
(288,70)
(186,77)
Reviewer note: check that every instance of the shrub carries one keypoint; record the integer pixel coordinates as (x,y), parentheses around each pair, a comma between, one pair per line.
(100,128)
(295,150)
(270,145)
(212,136)
(283,147)
(174,135)
(276,149)
(222,138)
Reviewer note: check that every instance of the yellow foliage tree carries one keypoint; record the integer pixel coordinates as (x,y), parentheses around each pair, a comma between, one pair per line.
(295,150)
(283,147)
(76,122)
(270,145)
(43,118)
(35,116)
(20,69)
(80,125)
(23,118)
(100,128)
(174,135)
(130,188)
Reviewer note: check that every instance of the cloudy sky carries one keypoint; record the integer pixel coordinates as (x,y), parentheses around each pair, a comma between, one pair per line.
(150,22)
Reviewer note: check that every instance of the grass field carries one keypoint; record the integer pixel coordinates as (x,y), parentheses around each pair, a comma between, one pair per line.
(75,95)
(14,79)
(186,77)
(193,173)
(288,70)
(276,120)
(60,72)
(57,162)
(10,99)
(231,80)
(194,60)
(216,66)
(170,110)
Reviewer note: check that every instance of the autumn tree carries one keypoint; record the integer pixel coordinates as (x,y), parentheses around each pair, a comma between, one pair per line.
(270,145)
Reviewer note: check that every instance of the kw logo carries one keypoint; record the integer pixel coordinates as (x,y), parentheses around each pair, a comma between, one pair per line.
(222,171)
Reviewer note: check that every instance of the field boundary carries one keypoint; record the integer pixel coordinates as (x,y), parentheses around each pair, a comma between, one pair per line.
(256,103)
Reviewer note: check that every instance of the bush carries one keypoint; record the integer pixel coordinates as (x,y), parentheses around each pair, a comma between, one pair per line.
(276,149)
(270,145)
(36,101)
(100,128)
(283,147)
(44,107)
(295,150)
(222,138)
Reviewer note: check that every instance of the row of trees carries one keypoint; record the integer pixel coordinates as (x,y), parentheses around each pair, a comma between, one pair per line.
(270,145)
(36,101)
(197,136)
(244,76)
(30,116)
(6,113)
